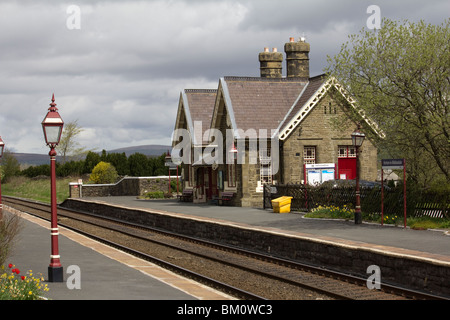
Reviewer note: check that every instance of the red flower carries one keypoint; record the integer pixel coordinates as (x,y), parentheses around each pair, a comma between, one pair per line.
(17,271)
(10,265)
(23,277)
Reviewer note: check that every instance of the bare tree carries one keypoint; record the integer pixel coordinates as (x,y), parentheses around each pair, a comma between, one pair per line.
(68,146)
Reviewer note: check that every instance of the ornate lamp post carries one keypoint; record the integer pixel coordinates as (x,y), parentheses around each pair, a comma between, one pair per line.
(52,126)
(2,146)
(357,141)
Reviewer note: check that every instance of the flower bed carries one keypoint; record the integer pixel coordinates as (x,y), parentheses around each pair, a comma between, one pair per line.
(14,286)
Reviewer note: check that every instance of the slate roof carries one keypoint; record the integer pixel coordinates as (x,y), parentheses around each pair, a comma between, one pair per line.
(260,103)
(313,85)
(257,103)
(198,106)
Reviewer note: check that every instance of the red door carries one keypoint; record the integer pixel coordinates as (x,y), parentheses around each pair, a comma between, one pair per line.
(347,168)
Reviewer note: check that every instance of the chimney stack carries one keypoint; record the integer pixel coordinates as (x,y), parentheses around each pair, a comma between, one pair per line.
(271,63)
(297,59)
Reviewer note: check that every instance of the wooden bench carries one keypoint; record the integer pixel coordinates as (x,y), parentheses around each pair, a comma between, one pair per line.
(186,195)
(225,197)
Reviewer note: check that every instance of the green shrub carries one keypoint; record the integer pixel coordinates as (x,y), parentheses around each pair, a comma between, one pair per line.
(155,195)
(103,172)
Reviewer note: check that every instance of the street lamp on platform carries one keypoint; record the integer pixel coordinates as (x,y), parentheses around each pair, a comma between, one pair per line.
(2,146)
(52,126)
(357,141)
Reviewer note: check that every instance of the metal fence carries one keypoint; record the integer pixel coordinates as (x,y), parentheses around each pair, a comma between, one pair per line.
(305,198)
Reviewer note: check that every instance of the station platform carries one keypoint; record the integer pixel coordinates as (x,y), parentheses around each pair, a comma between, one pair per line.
(104,272)
(430,244)
(109,274)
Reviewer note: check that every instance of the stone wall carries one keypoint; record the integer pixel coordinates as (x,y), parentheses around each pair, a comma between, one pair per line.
(317,130)
(128,186)
(412,272)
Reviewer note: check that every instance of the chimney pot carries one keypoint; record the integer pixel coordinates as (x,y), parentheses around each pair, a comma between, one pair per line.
(291,39)
(271,63)
(297,59)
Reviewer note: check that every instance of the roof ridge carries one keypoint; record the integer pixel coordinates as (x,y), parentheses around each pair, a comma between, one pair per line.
(243,78)
(200,90)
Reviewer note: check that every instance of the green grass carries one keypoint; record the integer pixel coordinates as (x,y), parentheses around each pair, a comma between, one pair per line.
(332,212)
(428,223)
(36,189)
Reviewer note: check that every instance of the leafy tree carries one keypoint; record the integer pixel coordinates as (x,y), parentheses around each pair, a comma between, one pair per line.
(139,165)
(34,171)
(103,172)
(92,159)
(159,168)
(69,168)
(120,162)
(400,77)
(10,166)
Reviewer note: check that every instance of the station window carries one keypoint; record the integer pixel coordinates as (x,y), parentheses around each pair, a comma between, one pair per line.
(309,155)
(346,152)
(265,172)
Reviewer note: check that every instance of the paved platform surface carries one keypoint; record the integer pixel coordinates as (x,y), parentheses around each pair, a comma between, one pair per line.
(109,274)
(429,244)
(105,273)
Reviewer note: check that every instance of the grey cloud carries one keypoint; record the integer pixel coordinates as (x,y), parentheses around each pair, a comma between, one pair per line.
(120,75)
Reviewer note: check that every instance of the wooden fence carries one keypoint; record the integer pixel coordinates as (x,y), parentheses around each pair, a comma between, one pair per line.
(305,198)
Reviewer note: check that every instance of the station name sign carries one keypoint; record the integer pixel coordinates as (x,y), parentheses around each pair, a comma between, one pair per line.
(392,163)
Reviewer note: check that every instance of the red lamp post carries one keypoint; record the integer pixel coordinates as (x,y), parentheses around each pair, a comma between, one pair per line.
(357,141)
(52,126)
(2,146)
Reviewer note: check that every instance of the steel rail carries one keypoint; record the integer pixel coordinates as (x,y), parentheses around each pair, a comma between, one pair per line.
(223,287)
(388,288)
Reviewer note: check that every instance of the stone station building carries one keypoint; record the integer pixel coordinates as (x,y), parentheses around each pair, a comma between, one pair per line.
(272,128)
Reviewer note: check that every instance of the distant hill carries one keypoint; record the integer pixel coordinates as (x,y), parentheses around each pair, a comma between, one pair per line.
(35,159)
(32,159)
(149,150)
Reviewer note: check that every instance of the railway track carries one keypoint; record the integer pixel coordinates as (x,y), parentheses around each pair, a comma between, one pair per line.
(243,274)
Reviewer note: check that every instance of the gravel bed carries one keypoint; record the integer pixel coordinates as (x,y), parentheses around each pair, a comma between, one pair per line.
(270,289)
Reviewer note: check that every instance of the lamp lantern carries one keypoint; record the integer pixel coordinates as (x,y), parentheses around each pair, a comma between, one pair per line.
(358,137)
(52,125)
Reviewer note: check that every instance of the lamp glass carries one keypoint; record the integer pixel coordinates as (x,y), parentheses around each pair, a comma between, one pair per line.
(357,138)
(52,134)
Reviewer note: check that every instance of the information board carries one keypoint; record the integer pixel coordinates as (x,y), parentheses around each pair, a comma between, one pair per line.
(392,163)
(318,173)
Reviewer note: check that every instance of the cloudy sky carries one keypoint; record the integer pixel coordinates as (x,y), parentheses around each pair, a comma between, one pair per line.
(117,67)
